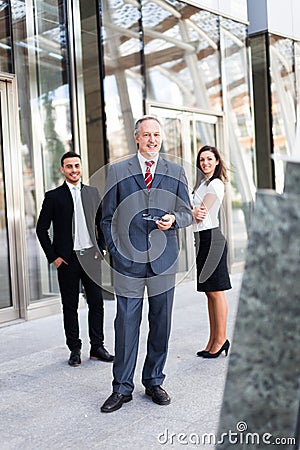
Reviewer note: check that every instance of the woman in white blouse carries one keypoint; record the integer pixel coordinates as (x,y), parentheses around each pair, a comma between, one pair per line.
(211,247)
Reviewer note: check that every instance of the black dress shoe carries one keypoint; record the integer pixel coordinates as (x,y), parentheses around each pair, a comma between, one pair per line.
(158,394)
(115,401)
(74,359)
(101,354)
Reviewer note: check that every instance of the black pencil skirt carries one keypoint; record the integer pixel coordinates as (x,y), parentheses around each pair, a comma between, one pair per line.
(211,261)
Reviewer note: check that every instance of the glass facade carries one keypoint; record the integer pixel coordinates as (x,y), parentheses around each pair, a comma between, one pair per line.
(237,106)
(41,61)
(87,70)
(123,83)
(5,284)
(6,63)
(297,72)
(89,96)
(182,56)
(177,64)
(284,102)
(276,88)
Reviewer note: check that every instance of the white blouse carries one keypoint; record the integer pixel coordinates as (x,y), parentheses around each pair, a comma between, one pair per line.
(215,187)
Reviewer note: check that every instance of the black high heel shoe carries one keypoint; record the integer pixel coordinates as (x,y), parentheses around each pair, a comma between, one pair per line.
(224,348)
(202,353)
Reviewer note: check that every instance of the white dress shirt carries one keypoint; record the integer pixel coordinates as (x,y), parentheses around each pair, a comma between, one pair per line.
(82,239)
(143,160)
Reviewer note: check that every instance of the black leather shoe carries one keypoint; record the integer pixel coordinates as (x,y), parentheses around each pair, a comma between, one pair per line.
(115,401)
(158,394)
(74,359)
(101,354)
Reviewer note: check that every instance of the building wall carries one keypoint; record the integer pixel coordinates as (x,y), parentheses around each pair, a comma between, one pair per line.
(276,16)
(236,9)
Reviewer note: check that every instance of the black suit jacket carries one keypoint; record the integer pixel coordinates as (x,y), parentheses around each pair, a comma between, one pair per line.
(58,209)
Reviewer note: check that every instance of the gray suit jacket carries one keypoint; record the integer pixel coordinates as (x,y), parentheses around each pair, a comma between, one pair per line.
(131,240)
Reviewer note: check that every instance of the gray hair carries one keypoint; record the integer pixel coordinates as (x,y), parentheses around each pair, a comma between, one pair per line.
(138,123)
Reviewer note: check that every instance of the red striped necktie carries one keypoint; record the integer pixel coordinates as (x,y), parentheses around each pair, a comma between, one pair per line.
(148,174)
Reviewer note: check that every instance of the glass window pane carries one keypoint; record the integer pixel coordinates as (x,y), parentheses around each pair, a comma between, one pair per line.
(240,129)
(88,74)
(5,38)
(5,288)
(44,106)
(283,102)
(172,143)
(52,86)
(182,55)
(123,82)
(296,149)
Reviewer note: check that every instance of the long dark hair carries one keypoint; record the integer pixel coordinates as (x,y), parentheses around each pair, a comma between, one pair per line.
(220,170)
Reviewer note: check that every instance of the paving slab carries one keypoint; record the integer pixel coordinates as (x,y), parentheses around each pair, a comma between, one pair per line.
(46,404)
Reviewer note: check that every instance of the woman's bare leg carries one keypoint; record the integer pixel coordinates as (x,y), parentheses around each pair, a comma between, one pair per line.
(219,305)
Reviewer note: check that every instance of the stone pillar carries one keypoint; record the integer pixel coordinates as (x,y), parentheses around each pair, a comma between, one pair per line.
(262,390)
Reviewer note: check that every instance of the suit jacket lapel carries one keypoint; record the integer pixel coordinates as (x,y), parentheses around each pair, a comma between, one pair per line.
(68,194)
(160,172)
(136,171)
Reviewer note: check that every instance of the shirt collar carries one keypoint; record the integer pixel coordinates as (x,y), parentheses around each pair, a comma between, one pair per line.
(71,186)
(143,160)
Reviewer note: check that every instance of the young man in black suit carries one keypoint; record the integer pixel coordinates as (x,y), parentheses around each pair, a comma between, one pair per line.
(76,250)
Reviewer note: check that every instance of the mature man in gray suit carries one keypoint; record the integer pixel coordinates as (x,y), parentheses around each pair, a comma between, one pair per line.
(146,200)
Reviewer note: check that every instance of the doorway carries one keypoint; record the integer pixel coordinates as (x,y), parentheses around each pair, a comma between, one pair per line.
(186,131)
(12,261)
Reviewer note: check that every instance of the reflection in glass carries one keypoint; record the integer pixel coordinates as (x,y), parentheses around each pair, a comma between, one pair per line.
(181,55)
(204,134)
(296,149)
(88,65)
(172,142)
(297,72)
(240,130)
(41,68)
(53,91)
(283,102)
(5,38)
(123,83)
(5,288)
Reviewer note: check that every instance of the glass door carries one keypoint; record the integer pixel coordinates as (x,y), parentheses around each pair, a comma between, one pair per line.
(5,278)
(184,133)
(12,261)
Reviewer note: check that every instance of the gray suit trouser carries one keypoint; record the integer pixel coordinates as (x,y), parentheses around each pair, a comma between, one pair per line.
(127,331)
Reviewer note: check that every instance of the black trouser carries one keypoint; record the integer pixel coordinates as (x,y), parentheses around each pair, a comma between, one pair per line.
(69,277)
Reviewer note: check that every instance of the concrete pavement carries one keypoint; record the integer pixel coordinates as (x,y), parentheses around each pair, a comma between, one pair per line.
(46,404)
